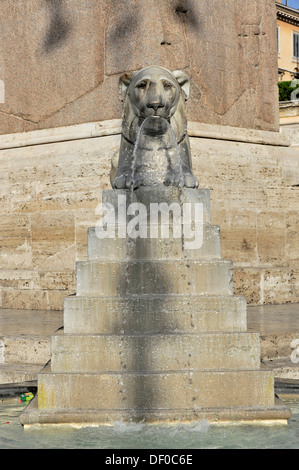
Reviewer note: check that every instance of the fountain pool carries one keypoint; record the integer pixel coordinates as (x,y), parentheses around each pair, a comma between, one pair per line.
(141,436)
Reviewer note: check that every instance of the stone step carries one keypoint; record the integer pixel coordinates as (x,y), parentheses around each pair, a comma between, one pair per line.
(152,353)
(154,277)
(142,391)
(276,414)
(19,373)
(283,368)
(28,349)
(154,314)
(207,246)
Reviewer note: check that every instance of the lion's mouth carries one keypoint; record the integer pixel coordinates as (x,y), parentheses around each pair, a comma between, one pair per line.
(154,126)
(155,116)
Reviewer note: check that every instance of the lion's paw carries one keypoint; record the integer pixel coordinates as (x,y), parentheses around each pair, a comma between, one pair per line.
(125,181)
(190,181)
(174,179)
(119,182)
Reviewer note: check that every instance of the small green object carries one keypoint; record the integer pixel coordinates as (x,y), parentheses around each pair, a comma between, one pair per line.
(26,396)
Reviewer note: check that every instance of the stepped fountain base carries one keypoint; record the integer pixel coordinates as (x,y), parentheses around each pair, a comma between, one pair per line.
(155,334)
(275,415)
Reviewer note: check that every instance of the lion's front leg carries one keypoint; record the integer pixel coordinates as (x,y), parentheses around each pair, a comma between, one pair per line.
(189,180)
(123,179)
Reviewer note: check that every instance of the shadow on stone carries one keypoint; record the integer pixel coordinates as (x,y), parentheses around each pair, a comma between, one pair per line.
(59,28)
(128,25)
(186,12)
(142,278)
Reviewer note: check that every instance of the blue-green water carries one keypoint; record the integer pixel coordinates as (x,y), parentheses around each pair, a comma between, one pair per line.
(141,436)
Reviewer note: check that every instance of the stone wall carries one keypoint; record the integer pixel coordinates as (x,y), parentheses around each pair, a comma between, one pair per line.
(60,60)
(60,63)
(49,193)
(255,196)
(289,113)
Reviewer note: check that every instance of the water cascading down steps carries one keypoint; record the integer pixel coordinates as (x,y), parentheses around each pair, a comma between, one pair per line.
(155,334)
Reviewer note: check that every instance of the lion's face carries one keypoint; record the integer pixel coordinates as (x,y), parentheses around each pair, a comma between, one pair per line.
(153,91)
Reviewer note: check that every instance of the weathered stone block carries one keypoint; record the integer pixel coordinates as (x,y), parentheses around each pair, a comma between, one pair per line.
(271,236)
(154,248)
(150,353)
(31,349)
(248,282)
(25,299)
(238,234)
(53,238)
(141,391)
(154,314)
(281,284)
(154,277)
(15,241)
(292,235)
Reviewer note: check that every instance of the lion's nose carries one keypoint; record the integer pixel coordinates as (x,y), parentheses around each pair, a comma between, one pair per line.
(155,105)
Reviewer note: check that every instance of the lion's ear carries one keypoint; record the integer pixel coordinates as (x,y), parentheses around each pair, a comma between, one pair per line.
(124,81)
(184,81)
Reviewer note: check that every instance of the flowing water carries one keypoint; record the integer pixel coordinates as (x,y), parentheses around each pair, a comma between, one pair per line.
(178,162)
(141,436)
(134,156)
(173,149)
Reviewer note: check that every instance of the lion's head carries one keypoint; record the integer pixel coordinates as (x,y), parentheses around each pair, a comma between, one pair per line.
(154,91)
(155,145)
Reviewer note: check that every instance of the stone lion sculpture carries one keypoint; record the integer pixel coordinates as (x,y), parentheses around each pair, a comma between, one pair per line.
(154,145)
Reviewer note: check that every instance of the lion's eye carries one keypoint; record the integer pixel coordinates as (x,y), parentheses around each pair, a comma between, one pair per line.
(141,85)
(167,85)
